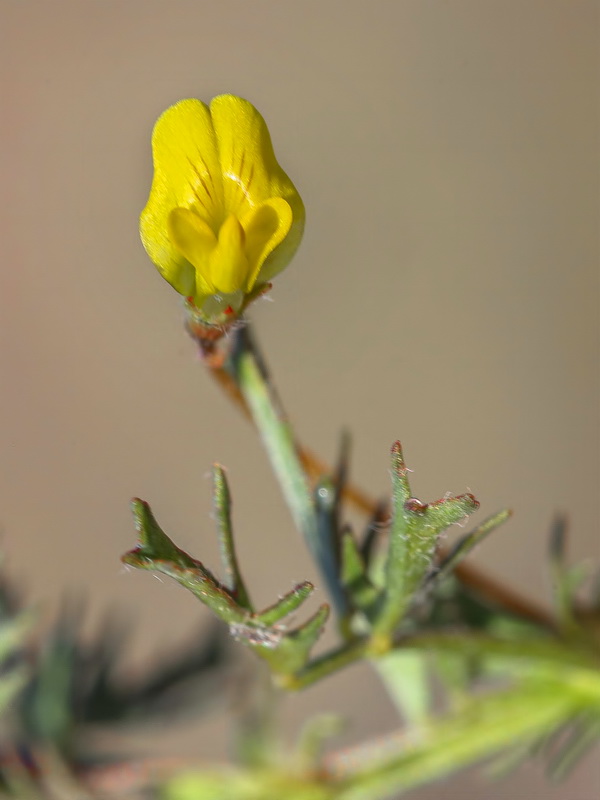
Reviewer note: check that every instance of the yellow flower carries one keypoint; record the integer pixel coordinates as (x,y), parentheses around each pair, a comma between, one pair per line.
(222,218)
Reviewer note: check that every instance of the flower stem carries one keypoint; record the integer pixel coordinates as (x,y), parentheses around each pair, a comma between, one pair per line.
(251,377)
(276,434)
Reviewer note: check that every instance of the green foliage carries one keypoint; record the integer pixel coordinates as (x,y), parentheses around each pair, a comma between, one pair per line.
(13,672)
(259,785)
(57,686)
(511,680)
(414,535)
(286,651)
(400,603)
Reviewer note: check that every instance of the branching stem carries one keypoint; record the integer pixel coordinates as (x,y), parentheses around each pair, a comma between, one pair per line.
(491,590)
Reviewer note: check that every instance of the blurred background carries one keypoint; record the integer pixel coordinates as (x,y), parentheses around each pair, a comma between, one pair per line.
(446,293)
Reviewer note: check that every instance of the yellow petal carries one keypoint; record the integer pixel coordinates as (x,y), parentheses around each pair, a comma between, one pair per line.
(187,173)
(266,227)
(229,270)
(195,240)
(251,174)
(245,152)
(250,170)
(281,256)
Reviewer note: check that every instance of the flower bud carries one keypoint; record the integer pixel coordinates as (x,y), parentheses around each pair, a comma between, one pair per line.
(222,218)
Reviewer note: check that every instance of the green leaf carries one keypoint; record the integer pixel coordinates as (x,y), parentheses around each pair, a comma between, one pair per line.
(584,734)
(154,544)
(444,513)
(326,500)
(13,633)
(536,650)
(405,676)
(414,533)
(353,575)
(268,784)
(467,543)
(293,652)
(566,580)
(47,712)
(286,604)
(10,685)
(222,502)
(158,553)
(313,739)
(485,726)
(378,521)
(285,651)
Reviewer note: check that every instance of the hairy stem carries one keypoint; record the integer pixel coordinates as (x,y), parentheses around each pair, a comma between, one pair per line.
(266,411)
(535,651)
(488,725)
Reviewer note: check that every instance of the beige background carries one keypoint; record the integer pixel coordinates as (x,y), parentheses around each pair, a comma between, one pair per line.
(445,292)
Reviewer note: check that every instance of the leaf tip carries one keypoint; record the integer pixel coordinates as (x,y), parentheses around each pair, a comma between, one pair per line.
(470,500)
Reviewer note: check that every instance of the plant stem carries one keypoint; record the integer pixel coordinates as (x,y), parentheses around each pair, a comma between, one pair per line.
(543,651)
(257,705)
(563,653)
(276,433)
(277,436)
(490,724)
(326,665)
